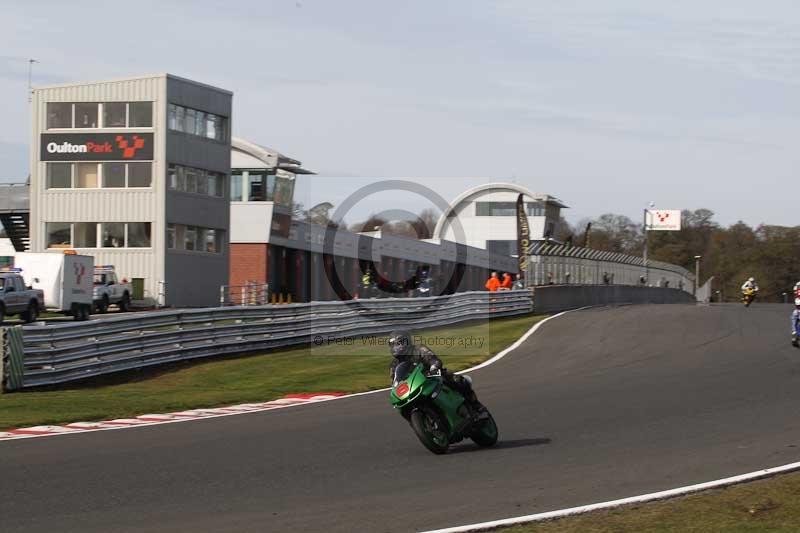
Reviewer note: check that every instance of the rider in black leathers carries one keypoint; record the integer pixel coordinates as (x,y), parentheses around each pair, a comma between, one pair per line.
(403,349)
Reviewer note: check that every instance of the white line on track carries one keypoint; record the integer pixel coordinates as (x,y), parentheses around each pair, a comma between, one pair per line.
(653,496)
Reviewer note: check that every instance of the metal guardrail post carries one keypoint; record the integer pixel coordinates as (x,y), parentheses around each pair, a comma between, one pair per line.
(11,362)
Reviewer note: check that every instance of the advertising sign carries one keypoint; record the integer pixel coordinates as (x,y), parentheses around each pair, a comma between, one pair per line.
(523,237)
(663,220)
(96,147)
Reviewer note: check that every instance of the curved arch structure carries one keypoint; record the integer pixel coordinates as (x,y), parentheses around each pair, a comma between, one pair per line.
(492,222)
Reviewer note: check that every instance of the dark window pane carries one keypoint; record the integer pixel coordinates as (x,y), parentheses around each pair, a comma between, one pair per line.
(140,174)
(59,175)
(202,182)
(189,238)
(141,115)
(171,236)
(86,115)
(256,192)
(236,187)
(138,235)
(58,235)
(114,115)
(113,235)
(113,174)
(59,115)
(189,121)
(85,235)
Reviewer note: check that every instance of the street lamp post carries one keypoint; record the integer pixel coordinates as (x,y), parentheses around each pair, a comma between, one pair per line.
(696,273)
(644,254)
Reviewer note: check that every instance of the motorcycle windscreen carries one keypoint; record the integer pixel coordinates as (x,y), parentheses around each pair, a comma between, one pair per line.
(402,371)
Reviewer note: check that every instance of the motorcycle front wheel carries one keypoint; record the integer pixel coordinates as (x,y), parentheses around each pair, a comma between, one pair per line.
(431,430)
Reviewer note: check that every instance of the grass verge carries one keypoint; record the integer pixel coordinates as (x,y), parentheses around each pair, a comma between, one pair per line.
(766,505)
(357,367)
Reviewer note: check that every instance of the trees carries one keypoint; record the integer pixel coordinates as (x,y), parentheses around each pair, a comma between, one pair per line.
(771,254)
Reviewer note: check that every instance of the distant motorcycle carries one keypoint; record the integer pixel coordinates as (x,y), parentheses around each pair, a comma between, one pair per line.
(423,289)
(748,295)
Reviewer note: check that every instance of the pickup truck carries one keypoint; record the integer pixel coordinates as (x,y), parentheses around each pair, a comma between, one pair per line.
(17,299)
(109,290)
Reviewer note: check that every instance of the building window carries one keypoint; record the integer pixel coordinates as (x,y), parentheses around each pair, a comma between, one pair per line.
(141,114)
(115,114)
(506,248)
(495,209)
(138,235)
(140,174)
(58,234)
(86,175)
(189,121)
(110,234)
(113,234)
(195,122)
(256,191)
(189,238)
(535,209)
(59,115)
(85,234)
(236,187)
(209,240)
(194,238)
(59,175)
(86,115)
(195,180)
(113,175)
(172,238)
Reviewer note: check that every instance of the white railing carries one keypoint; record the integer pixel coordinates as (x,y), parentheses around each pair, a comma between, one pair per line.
(66,352)
(561,264)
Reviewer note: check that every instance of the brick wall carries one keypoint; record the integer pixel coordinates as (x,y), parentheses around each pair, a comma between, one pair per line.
(248,262)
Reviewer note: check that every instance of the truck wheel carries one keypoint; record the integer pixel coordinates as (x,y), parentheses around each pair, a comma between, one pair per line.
(31,314)
(125,303)
(102,306)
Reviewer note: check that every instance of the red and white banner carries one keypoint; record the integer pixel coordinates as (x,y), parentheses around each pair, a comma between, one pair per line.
(663,220)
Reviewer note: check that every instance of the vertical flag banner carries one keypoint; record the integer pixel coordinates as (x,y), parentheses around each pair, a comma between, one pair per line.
(523,236)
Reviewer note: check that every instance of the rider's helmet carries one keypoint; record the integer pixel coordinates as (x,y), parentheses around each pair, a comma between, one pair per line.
(400,343)
(751,280)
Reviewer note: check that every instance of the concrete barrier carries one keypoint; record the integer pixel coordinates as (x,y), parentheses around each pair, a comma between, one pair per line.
(556,298)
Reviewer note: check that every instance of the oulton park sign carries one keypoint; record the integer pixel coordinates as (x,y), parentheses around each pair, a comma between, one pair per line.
(96,147)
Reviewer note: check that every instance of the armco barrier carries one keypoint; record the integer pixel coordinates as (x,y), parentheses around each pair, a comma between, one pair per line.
(555,298)
(67,352)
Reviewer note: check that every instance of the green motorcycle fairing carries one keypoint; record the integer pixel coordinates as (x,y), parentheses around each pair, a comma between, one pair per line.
(410,385)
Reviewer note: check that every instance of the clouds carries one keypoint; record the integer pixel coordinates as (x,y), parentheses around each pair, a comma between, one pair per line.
(623,101)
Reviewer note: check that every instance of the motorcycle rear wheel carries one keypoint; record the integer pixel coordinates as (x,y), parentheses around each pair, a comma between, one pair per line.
(430,430)
(486,434)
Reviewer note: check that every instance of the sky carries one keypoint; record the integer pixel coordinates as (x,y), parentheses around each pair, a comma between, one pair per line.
(607,105)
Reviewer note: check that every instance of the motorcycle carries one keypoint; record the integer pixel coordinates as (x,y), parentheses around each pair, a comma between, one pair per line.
(439,415)
(748,295)
(423,289)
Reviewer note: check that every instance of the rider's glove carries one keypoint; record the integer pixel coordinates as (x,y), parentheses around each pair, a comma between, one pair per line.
(434,368)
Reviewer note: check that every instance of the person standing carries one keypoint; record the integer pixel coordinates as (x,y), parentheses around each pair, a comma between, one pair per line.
(505,285)
(493,283)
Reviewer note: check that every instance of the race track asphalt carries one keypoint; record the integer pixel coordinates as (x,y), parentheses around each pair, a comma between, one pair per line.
(597,405)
